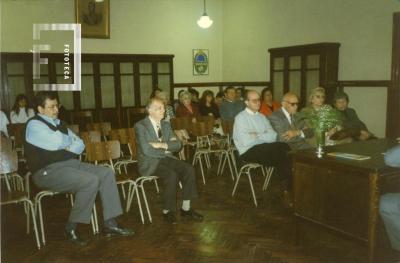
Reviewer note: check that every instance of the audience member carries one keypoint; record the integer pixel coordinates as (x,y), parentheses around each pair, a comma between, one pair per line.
(268,105)
(352,125)
(207,106)
(177,101)
(186,107)
(20,112)
(389,206)
(3,124)
(51,151)
(230,107)
(219,98)
(169,110)
(287,123)
(155,92)
(315,101)
(240,92)
(255,139)
(156,142)
(194,95)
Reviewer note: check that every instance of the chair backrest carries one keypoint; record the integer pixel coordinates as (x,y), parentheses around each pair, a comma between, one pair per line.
(181,123)
(8,157)
(122,135)
(17,131)
(209,120)
(90,136)
(132,148)
(103,127)
(200,129)
(82,118)
(103,151)
(227,127)
(74,128)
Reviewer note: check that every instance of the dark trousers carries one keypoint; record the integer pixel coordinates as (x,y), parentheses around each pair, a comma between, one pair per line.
(172,171)
(271,154)
(84,180)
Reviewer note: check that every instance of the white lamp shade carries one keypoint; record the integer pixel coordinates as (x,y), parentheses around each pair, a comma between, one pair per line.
(204,21)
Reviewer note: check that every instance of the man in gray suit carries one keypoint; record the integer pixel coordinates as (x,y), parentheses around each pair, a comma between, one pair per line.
(51,151)
(155,144)
(289,126)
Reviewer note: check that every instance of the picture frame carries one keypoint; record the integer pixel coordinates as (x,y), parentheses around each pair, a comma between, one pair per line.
(94,18)
(200,61)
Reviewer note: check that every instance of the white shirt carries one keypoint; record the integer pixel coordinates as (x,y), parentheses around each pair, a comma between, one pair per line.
(155,125)
(3,123)
(21,117)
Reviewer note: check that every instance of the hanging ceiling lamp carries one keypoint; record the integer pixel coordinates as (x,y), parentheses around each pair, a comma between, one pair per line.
(204,21)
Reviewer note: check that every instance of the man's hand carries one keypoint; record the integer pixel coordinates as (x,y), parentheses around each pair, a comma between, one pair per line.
(290,134)
(253,134)
(159,145)
(364,135)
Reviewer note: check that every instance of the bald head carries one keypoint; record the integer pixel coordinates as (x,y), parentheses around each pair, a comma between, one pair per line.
(253,100)
(290,102)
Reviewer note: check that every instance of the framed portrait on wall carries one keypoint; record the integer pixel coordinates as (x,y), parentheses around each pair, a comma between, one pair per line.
(94,17)
(200,61)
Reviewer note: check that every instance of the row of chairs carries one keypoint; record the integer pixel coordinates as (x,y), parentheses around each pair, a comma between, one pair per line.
(206,144)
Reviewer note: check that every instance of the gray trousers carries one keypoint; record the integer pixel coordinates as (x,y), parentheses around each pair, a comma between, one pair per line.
(389,209)
(84,180)
(172,171)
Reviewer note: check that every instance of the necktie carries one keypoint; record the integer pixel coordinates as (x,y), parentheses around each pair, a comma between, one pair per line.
(159,133)
(291,120)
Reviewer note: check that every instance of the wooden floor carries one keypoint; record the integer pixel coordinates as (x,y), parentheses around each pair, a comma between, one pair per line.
(233,231)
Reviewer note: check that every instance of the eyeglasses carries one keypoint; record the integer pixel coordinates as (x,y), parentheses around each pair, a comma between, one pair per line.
(254,100)
(292,103)
(53,107)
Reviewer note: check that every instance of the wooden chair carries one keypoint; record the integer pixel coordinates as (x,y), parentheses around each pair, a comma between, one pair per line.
(103,127)
(16,194)
(90,136)
(82,118)
(17,134)
(104,153)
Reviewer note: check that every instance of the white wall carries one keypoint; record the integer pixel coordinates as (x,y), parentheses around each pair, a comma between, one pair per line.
(137,27)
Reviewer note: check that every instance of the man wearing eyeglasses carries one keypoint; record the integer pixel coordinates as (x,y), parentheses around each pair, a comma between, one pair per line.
(156,143)
(51,151)
(290,128)
(255,138)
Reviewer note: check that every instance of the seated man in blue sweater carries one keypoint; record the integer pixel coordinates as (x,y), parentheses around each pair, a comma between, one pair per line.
(389,206)
(256,140)
(230,106)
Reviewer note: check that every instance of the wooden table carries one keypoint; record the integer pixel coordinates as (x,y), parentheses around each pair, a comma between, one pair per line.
(343,195)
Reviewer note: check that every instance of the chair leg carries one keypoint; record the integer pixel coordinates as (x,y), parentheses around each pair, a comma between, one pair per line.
(139,204)
(156,184)
(96,223)
(35,228)
(146,203)
(237,181)
(201,169)
(230,166)
(252,188)
(270,170)
(39,204)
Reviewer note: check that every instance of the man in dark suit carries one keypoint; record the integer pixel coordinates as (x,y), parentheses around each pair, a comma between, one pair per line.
(289,126)
(156,142)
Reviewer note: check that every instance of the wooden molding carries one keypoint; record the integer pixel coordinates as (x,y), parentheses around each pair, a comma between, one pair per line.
(221,84)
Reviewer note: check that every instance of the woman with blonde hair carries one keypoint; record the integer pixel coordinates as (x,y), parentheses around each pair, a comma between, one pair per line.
(316,107)
(186,108)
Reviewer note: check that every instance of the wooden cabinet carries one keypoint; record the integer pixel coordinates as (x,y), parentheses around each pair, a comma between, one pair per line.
(111,84)
(301,68)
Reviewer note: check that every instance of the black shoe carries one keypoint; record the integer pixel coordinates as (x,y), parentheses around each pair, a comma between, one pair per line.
(117,231)
(170,218)
(74,237)
(191,215)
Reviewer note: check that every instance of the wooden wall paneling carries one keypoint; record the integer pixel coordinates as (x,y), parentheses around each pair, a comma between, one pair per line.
(97,90)
(393,105)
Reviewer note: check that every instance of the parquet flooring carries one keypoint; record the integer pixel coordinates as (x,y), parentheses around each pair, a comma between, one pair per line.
(234,230)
